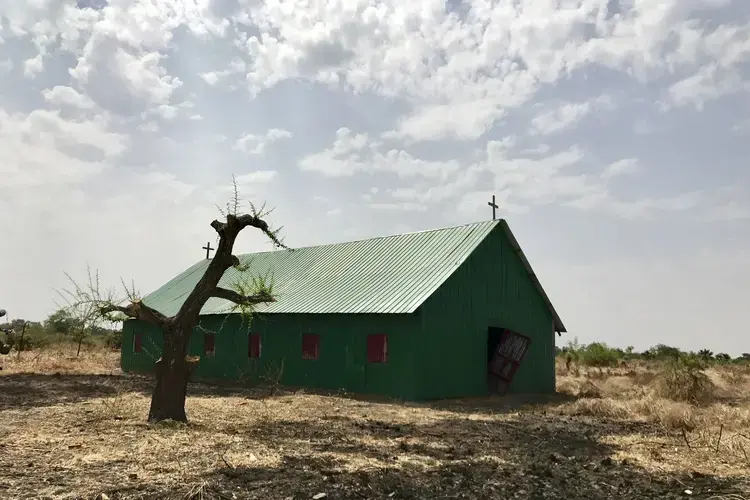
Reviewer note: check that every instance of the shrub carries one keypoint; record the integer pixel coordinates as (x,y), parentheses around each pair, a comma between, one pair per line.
(734,376)
(683,379)
(570,358)
(677,416)
(113,340)
(599,355)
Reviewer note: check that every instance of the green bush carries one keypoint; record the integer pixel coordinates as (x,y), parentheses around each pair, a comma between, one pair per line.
(599,355)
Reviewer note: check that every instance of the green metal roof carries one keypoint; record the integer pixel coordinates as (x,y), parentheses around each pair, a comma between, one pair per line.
(389,274)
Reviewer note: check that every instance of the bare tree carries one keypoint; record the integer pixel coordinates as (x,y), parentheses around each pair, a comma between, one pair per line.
(84,307)
(174,367)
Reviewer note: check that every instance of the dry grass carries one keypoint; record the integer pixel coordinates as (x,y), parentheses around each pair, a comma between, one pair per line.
(67,433)
(695,421)
(61,358)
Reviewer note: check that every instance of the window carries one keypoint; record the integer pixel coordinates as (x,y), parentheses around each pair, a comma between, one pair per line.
(310,346)
(209,345)
(253,345)
(377,348)
(137,347)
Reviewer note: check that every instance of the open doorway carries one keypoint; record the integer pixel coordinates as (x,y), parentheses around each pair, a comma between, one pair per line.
(505,351)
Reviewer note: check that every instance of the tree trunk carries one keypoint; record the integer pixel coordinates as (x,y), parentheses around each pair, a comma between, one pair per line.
(20,341)
(80,341)
(172,377)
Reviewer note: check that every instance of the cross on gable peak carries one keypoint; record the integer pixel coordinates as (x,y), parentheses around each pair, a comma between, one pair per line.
(208,248)
(493,205)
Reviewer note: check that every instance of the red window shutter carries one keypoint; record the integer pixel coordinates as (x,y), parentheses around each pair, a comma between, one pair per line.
(209,344)
(137,342)
(377,348)
(253,345)
(310,346)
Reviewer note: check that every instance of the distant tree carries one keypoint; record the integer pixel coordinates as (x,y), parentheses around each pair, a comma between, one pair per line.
(664,352)
(85,317)
(705,354)
(174,367)
(599,354)
(61,321)
(724,357)
(573,345)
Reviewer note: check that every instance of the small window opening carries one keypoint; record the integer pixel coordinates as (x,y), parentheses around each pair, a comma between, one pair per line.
(137,343)
(377,348)
(253,345)
(310,346)
(209,345)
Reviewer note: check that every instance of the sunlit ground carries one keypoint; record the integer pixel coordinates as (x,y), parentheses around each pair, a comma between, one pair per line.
(74,427)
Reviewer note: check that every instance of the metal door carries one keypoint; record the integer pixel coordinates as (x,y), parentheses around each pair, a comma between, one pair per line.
(505,360)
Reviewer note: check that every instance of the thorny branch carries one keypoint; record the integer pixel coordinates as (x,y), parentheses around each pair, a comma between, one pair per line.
(104,303)
(138,310)
(236,223)
(259,298)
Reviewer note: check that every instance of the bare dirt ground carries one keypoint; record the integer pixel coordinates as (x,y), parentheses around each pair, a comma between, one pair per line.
(75,428)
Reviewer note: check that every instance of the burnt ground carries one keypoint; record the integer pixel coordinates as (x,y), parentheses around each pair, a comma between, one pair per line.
(78,436)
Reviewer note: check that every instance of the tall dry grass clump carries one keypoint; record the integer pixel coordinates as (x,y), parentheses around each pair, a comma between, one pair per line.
(62,358)
(684,380)
(681,396)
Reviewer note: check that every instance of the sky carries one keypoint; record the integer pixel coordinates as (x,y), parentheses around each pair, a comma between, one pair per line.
(615,135)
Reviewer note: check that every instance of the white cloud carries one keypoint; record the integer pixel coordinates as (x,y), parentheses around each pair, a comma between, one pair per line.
(43,148)
(706,85)
(256,144)
(61,95)
(258,176)
(468,120)
(621,167)
(236,67)
(353,153)
(403,115)
(488,60)
(559,118)
(565,115)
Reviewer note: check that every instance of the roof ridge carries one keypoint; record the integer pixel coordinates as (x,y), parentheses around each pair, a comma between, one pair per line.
(390,274)
(372,238)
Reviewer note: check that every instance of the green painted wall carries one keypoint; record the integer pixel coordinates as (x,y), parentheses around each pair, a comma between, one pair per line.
(438,352)
(341,363)
(491,288)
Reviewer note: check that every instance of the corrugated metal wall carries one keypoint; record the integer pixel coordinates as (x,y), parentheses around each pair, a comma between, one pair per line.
(439,351)
(490,289)
(341,363)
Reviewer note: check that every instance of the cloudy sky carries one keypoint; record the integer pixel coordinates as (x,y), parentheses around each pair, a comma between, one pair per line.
(614,133)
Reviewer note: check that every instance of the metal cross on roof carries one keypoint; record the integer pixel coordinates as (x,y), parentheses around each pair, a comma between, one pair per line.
(493,205)
(208,248)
